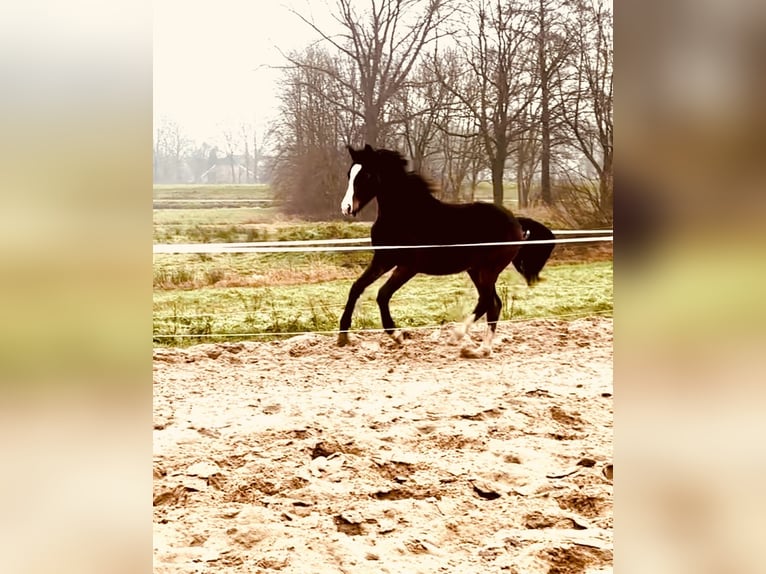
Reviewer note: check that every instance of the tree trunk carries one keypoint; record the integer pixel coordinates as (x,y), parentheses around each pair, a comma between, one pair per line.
(521,187)
(545,150)
(606,185)
(157,158)
(474,183)
(371,126)
(255,158)
(498,170)
(545,116)
(247,161)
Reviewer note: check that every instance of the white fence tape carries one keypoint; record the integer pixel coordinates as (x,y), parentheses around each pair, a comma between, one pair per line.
(281,247)
(220,200)
(352,240)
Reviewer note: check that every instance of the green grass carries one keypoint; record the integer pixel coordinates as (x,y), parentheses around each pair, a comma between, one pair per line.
(195,271)
(223,206)
(270,310)
(483,192)
(197,226)
(214,216)
(200,191)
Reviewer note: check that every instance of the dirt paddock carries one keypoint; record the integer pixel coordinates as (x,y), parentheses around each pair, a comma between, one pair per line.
(301,457)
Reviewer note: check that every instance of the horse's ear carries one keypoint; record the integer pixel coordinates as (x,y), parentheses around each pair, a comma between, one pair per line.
(368,148)
(352,152)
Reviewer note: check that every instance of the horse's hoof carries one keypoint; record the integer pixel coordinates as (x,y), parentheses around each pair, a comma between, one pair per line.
(342,339)
(468,352)
(398,337)
(473,353)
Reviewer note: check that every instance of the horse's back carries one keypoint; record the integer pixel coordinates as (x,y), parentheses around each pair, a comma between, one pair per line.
(450,224)
(479,222)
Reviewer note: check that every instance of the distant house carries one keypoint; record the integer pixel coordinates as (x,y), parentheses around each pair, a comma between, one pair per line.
(204,166)
(229,169)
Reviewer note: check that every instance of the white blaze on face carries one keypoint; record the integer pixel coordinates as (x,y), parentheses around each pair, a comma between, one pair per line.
(347,205)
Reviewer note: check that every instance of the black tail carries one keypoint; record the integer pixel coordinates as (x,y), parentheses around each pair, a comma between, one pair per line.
(532,258)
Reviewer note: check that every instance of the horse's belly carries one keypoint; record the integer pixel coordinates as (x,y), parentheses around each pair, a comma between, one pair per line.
(444,261)
(442,269)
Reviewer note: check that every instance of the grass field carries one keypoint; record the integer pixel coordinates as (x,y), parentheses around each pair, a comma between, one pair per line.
(212,297)
(228,225)
(289,307)
(483,192)
(207,192)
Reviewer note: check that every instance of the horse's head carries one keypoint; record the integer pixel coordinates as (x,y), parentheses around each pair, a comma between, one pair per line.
(367,176)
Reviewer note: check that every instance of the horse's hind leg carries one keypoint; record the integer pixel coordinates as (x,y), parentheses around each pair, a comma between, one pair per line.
(493,314)
(377,267)
(461,330)
(489,303)
(399,277)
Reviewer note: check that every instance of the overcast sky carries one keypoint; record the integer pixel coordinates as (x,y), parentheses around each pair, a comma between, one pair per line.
(211,60)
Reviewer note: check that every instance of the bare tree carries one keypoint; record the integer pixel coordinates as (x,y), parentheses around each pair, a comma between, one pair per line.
(462,161)
(256,156)
(553,47)
(244,128)
(458,143)
(381,44)
(528,149)
(251,151)
(545,118)
(171,147)
(228,137)
(496,52)
(522,80)
(307,167)
(588,93)
(424,106)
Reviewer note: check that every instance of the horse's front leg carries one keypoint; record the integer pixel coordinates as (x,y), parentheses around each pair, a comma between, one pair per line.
(377,267)
(399,277)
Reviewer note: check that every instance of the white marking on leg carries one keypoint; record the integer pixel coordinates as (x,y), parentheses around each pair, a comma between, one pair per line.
(483,350)
(347,204)
(461,330)
(398,336)
(486,346)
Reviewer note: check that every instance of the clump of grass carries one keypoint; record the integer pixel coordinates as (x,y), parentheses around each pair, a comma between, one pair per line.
(253,234)
(214,234)
(213,276)
(173,278)
(201,326)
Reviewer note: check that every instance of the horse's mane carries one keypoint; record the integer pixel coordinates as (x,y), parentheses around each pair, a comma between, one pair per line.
(422,184)
(417,182)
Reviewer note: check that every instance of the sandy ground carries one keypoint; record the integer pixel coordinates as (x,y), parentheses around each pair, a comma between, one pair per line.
(301,457)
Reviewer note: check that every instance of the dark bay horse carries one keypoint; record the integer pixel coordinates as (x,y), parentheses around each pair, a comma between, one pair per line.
(409,214)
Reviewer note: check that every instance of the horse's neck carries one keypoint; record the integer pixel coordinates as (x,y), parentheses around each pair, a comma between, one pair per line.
(407,193)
